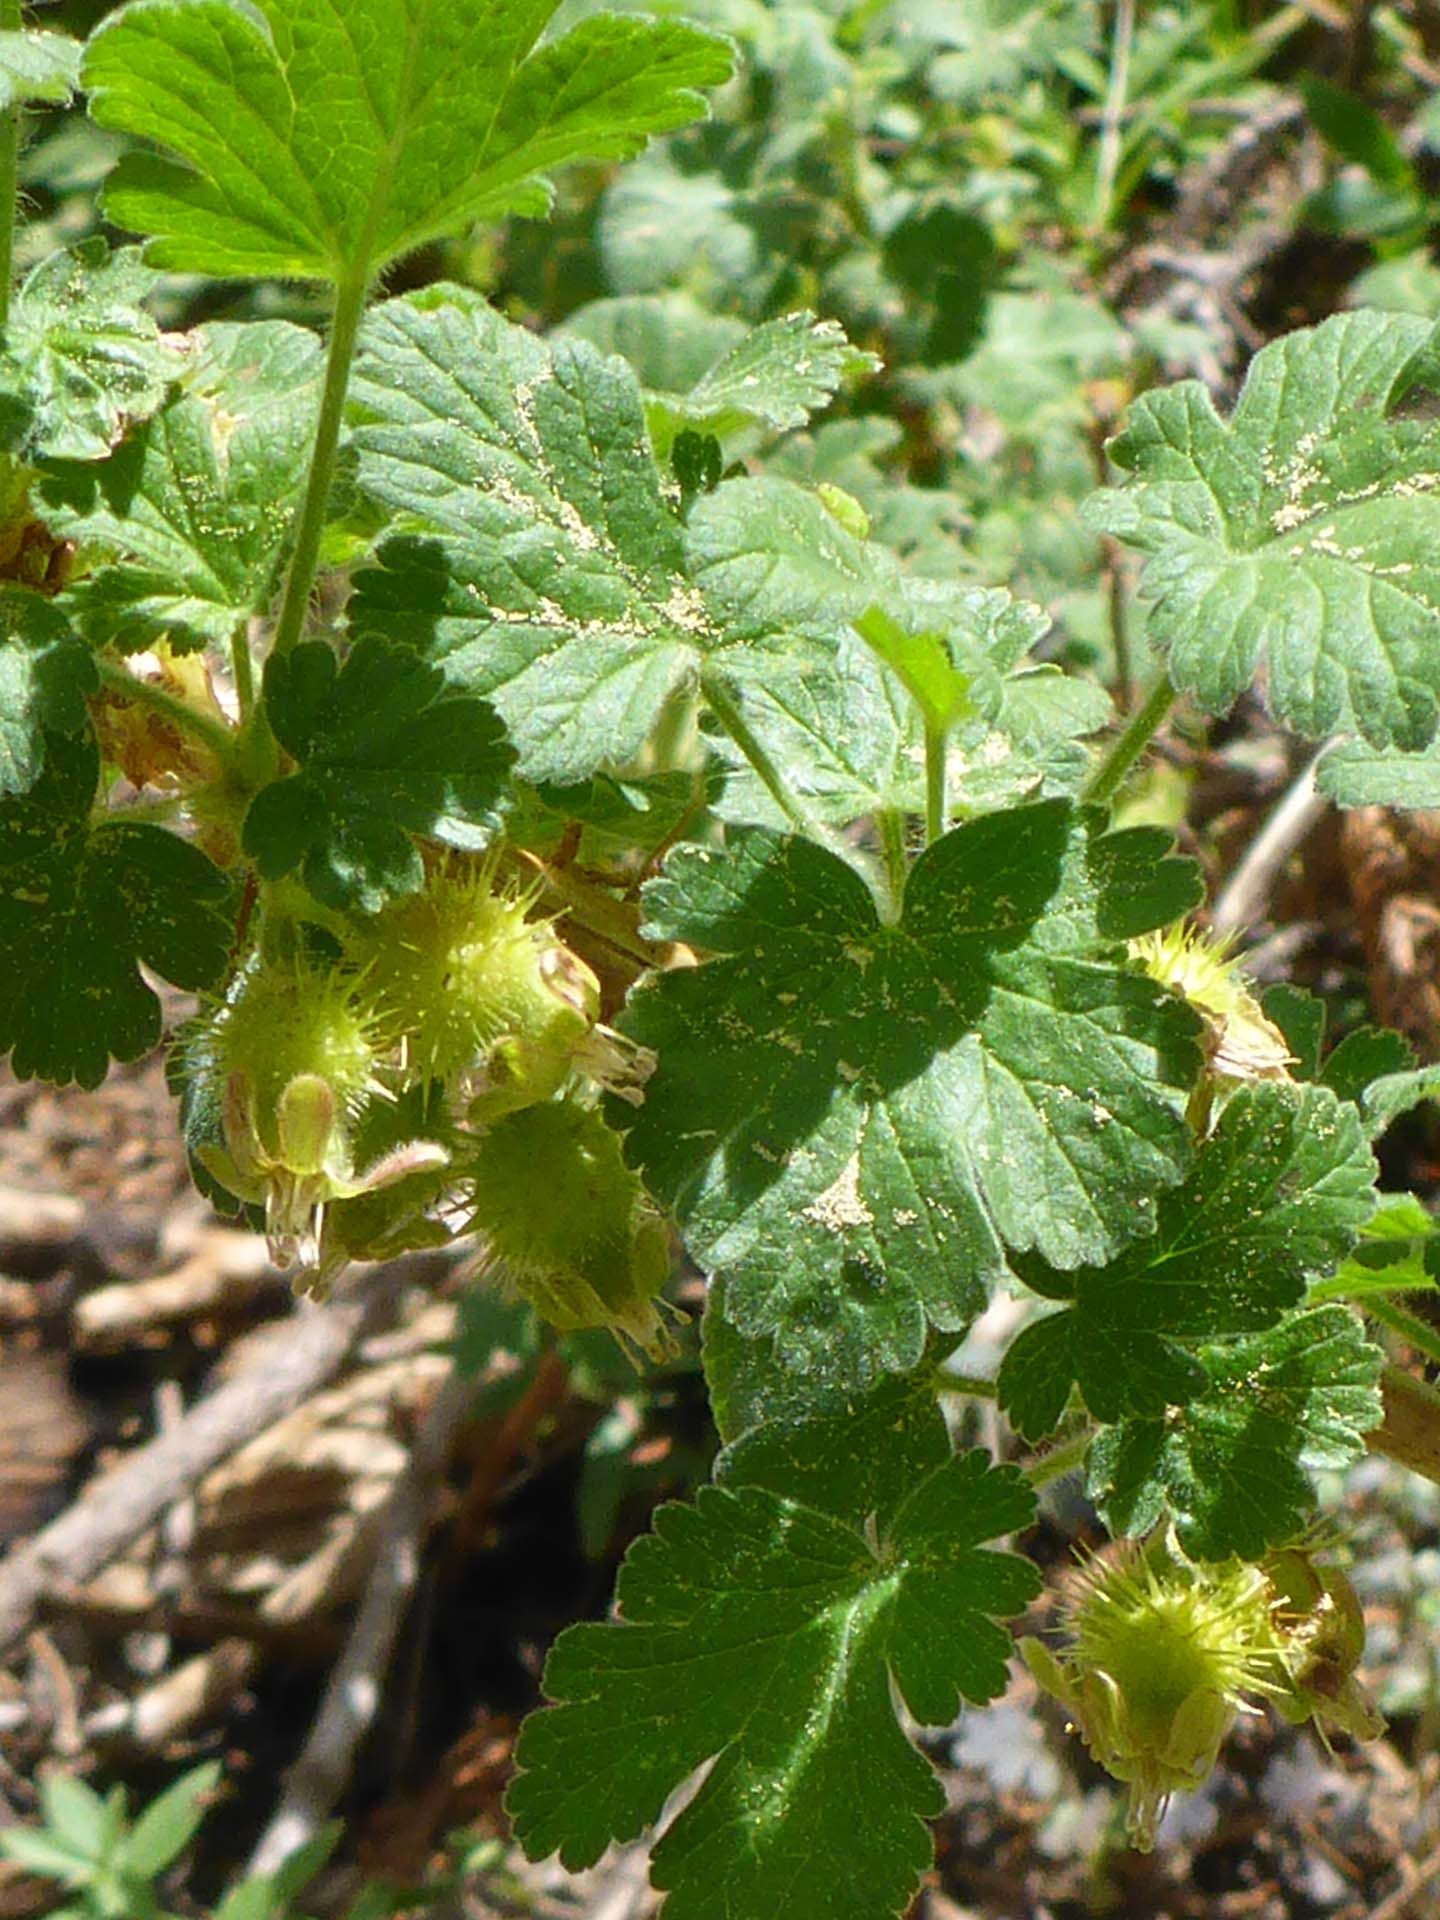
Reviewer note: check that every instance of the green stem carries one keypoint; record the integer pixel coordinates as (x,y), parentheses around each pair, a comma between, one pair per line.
(200,726)
(242,671)
(310,520)
(1059,1461)
(726,711)
(934,783)
(1107,164)
(738,727)
(891,824)
(976,1386)
(1420,1334)
(10,22)
(1146,722)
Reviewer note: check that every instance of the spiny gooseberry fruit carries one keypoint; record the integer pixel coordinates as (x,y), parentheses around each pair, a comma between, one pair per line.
(1240,1042)
(289,1060)
(1164,1652)
(567,1223)
(476,991)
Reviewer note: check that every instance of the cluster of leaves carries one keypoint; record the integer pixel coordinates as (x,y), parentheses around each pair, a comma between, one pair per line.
(601,606)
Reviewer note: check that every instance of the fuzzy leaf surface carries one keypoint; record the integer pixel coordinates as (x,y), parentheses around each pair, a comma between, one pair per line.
(82,360)
(854,1120)
(1303,534)
(765,1633)
(1233,1466)
(776,377)
(81,906)
(196,506)
(752,1394)
(35,65)
(1398,1252)
(318,141)
(771,560)
(386,750)
(539,563)
(554,580)
(1279,1192)
(1357,775)
(45,673)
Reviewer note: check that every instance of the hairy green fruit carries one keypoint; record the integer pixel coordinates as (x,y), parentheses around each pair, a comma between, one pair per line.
(476,992)
(568,1224)
(1164,1653)
(289,1058)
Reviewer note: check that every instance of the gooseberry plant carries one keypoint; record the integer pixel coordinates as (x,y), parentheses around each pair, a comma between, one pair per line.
(585,842)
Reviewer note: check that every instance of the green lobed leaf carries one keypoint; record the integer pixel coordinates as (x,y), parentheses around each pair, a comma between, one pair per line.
(669,339)
(923,665)
(1279,1192)
(386,750)
(45,674)
(775,377)
(764,1634)
(555,583)
(82,360)
(750,1386)
(319,141)
(1233,1466)
(539,563)
(1300,1016)
(1398,1252)
(82,903)
(1355,774)
(195,508)
(758,1402)
(35,65)
(1385,1099)
(1302,534)
(770,559)
(1363,1057)
(854,1120)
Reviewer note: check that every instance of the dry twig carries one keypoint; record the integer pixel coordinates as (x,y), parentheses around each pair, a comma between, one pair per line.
(117,1508)
(352,1697)
(1246,894)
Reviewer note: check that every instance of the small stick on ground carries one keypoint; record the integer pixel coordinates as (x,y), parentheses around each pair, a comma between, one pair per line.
(319,1776)
(117,1508)
(1416,1877)
(1244,898)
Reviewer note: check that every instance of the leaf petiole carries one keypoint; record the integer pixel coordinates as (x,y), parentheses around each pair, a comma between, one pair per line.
(1108,778)
(934,783)
(310,519)
(242,673)
(10,22)
(1418,1333)
(1060,1460)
